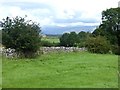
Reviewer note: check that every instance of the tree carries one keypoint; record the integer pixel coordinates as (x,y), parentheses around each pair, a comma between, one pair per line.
(110,27)
(73,39)
(69,39)
(22,35)
(64,39)
(83,37)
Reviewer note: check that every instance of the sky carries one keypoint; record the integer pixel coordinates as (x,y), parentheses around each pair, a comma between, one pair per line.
(58,16)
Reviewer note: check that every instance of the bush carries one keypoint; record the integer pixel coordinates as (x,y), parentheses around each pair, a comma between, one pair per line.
(115,49)
(98,45)
(21,35)
(82,44)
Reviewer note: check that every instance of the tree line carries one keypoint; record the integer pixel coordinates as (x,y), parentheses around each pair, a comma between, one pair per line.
(73,39)
(103,39)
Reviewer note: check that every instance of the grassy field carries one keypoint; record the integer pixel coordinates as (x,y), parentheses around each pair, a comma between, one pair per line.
(52,39)
(62,70)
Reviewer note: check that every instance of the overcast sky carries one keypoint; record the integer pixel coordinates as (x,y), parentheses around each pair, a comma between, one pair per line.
(58,14)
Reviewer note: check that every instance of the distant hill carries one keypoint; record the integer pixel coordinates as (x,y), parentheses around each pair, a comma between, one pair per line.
(56,30)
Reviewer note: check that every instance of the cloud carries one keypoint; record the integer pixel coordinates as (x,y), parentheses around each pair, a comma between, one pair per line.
(58,13)
(27,5)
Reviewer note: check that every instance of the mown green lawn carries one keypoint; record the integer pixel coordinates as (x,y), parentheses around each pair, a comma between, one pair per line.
(62,70)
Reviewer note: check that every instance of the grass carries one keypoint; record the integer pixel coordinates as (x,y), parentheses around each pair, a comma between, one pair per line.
(62,70)
(52,39)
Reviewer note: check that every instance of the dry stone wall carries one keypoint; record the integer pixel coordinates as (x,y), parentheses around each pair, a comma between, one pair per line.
(10,53)
(61,49)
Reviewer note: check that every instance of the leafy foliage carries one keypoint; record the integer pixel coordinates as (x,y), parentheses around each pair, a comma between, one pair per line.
(110,25)
(98,45)
(115,49)
(21,35)
(73,39)
(82,38)
(64,39)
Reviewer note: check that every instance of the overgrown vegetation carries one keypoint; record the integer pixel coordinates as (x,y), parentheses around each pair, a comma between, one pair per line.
(110,28)
(21,35)
(98,45)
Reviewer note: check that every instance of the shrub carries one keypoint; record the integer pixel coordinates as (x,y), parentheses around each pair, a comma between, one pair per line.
(98,45)
(115,49)
(21,35)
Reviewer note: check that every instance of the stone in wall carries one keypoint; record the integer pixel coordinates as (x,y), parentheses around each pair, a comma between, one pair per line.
(10,53)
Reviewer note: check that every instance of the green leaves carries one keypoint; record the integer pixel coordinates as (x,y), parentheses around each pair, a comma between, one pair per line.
(109,27)
(21,35)
(69,39)
(73,39)
(98,45)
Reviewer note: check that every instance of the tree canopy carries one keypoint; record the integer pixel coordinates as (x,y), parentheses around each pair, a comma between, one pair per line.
(74,39)
(110,27)
(69,39)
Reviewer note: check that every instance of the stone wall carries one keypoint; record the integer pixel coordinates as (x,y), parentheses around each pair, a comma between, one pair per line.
(61,49)
(10,53)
